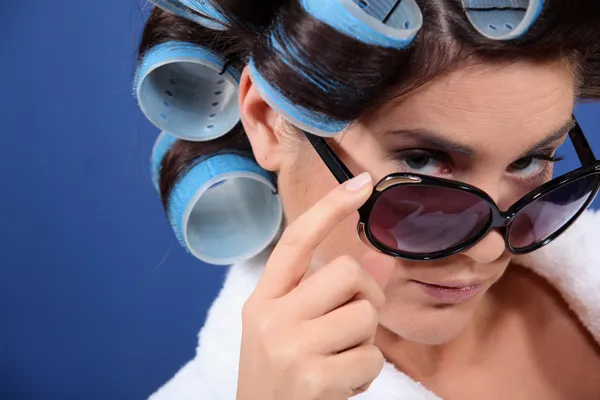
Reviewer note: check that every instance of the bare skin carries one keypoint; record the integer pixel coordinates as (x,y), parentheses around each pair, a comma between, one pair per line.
(531,347)
(515,339)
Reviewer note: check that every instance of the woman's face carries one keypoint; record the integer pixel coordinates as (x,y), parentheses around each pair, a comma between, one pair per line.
(479,125)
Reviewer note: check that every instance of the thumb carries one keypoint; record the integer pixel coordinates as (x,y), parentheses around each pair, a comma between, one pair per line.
(379,266)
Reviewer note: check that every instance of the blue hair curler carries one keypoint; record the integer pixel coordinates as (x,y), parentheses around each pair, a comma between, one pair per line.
(385,23)
(503,19)
(202,12)
(225,208)
(188,91)
(162,145)
(303,118)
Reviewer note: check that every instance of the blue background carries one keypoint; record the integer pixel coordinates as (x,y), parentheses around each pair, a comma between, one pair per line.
(97,300)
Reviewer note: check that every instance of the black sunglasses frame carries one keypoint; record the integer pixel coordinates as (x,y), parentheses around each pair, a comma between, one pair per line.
(499,220)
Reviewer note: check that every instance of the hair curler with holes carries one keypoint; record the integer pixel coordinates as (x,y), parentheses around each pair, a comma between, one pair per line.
(385,23)
(202,12)
(224,209)
(503,19)
(188,91)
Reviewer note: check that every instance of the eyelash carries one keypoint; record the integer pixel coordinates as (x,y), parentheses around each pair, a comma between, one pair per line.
(438,156)
(444,159)
(544,172)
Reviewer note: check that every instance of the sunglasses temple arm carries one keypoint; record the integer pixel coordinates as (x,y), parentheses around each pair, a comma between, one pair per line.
(582,146)
(333,162)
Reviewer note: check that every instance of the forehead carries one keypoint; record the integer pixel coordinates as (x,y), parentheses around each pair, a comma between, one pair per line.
(482,106)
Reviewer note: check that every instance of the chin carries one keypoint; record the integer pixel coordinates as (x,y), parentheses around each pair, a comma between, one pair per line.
(426,324)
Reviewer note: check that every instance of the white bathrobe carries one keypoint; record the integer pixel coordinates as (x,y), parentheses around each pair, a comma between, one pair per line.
(571,264)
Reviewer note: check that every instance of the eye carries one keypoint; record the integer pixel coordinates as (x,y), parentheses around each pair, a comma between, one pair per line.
(418,160)
(522,164)
(426,162)
(533,166)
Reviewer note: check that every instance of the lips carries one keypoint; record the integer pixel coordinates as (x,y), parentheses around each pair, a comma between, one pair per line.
(451,292)
(453,284)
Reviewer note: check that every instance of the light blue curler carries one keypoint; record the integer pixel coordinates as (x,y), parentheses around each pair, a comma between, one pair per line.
(202,12)
(225,209)
(386,23)
(303,118)
(162,145)
(188,91)
(503,19)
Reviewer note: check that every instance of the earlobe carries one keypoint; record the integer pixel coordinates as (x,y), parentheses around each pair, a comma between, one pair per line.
(259,121)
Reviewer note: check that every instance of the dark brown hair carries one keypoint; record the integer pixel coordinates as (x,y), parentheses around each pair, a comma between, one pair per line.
(364,76)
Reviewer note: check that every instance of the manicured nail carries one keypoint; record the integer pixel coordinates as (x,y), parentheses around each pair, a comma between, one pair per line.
(357,183)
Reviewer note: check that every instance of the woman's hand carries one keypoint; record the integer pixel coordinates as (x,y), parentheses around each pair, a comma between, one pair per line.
(313,338)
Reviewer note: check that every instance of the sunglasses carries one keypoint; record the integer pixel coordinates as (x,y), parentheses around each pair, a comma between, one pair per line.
(419,217)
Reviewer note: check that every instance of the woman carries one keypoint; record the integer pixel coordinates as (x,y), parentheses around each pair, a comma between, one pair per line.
(439,296)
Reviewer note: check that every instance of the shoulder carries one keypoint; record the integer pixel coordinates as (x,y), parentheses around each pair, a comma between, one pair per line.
(563,355)
(212,374)
(221,335)
(570,265)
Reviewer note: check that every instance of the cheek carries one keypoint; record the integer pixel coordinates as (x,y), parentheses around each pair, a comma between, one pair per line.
(343,240)
(303,182)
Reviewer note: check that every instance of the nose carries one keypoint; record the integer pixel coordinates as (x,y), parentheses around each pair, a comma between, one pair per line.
(488,249)
(492,246)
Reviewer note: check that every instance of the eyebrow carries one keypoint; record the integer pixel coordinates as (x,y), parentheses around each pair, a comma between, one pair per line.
(558,134)
(438,141)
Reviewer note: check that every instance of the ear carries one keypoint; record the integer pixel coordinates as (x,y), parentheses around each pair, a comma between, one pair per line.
(260,122)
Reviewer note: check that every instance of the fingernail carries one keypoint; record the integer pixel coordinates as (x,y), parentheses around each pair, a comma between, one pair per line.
(357,183)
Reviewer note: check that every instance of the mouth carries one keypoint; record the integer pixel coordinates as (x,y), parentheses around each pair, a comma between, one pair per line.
(451,293)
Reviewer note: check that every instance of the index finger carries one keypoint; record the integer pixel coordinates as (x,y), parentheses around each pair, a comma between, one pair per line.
(291,257)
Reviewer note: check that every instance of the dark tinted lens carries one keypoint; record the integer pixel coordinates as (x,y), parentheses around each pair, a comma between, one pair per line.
(548,214)
(427,219)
